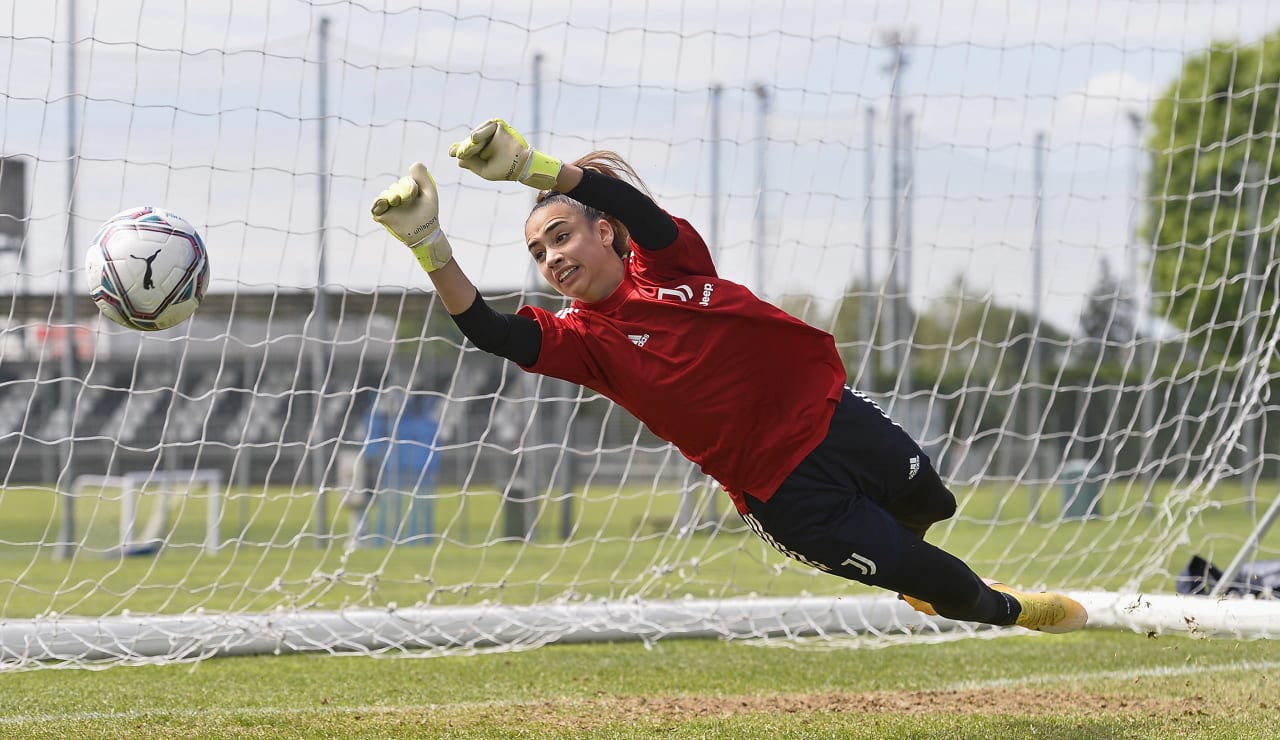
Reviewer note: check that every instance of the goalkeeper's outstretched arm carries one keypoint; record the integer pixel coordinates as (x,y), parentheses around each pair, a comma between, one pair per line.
(410,211)
(496,151)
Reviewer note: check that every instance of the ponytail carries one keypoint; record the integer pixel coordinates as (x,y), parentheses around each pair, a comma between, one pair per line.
(609,164)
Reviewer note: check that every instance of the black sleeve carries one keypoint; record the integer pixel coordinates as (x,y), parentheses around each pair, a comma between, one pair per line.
(650,226)
(517,338)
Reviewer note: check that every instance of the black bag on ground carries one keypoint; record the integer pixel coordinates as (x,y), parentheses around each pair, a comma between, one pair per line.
(1260,578)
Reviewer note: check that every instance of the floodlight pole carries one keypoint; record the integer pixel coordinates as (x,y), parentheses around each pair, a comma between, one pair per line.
(710,514)
(1035,359)
(520,502)
(1142,328)
(318,359)
(897,298)
(867,308)
(689,519)
(556,413)
(907,195)
(762,142)
(714,225)
(66,401)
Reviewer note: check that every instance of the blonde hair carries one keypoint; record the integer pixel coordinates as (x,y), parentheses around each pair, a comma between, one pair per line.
(609,164)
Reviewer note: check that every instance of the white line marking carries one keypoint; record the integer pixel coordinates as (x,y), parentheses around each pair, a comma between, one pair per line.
(1152,672)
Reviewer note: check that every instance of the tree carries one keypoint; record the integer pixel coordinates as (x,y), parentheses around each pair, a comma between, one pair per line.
(968,343)
(1108,320)
(1213,138)
(970,335)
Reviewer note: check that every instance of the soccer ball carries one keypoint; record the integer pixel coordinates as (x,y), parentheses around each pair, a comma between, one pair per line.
(147,269)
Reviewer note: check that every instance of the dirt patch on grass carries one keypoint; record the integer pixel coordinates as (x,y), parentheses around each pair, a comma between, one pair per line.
(594,713)
(985,701)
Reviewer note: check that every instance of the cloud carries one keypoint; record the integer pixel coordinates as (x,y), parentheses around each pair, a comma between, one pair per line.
(1104,110)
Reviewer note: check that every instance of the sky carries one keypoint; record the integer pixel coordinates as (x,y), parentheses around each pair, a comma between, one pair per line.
(213,110)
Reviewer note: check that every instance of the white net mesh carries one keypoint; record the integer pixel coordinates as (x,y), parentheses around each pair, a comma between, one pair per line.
(1044,243)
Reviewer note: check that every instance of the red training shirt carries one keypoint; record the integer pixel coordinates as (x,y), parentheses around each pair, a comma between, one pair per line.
(739,386)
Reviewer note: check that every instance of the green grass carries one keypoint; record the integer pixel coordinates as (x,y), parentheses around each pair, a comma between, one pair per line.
(1091,684)
(1094,684)
(623,545)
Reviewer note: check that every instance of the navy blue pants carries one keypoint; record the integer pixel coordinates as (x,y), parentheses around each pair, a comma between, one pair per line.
(858,507)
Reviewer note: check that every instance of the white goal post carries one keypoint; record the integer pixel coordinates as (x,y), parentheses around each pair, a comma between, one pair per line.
(444,630)
(1046,246)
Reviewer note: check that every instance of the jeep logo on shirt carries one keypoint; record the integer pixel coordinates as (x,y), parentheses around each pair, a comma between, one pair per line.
(684,293)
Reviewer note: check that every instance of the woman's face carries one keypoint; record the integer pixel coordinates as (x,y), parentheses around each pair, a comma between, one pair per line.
(574,255)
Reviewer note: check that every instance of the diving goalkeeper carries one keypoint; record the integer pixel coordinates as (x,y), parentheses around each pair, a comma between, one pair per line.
(754,396)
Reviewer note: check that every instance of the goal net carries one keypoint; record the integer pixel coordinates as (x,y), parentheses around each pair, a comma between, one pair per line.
(1045,244)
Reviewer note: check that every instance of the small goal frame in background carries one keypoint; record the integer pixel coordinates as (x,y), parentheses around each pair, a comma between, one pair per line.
(154,533)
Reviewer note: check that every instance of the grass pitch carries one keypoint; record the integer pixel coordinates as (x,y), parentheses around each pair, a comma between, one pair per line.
(1091,684)
(1094,684)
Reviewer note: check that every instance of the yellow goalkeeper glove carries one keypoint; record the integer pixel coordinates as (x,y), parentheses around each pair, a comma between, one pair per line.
(495,151)
(410,210)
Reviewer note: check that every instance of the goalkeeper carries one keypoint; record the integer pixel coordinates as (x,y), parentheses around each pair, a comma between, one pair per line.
(754,396)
